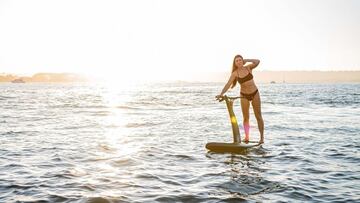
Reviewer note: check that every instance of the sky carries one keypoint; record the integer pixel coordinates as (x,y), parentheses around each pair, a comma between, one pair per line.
(174,38)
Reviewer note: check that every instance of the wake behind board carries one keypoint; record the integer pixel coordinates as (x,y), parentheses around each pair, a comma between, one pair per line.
(230,147)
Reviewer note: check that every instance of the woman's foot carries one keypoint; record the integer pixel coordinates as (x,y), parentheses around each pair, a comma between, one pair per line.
(247,138)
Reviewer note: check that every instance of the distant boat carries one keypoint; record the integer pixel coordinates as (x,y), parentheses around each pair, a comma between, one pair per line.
(272,82)
(19,80)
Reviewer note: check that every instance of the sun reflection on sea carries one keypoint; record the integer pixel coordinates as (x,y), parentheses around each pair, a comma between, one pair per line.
(117,135)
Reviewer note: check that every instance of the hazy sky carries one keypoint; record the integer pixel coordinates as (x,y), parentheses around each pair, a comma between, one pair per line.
(163,38)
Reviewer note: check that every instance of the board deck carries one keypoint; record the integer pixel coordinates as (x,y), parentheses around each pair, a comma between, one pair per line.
(230,147)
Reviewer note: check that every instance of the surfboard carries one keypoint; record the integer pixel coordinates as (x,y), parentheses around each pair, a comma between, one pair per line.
(230,147)
(237,145)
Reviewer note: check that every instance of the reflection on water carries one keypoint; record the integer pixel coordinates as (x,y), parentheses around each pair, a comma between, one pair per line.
(92,143)
(243,177)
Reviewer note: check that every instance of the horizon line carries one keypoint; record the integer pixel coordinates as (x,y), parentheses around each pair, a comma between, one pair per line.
(195,72)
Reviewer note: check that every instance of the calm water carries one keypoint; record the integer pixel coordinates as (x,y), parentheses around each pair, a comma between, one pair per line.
(93,143)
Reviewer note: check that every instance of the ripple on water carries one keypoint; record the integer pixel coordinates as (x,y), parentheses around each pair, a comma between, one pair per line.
(83,143)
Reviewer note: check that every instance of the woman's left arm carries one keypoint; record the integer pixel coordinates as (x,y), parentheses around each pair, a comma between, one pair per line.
(254,63)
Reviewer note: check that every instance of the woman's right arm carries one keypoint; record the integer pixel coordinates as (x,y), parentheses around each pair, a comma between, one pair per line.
(228,84)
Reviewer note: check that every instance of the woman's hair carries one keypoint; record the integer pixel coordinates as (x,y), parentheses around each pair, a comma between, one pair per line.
(234,68)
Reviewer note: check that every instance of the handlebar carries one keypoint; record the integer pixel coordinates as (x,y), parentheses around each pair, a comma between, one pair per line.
(222,98)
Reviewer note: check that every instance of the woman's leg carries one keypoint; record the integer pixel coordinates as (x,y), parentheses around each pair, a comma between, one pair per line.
(256,103)
(245,105)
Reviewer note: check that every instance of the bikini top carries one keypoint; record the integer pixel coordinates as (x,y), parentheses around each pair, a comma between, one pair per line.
(246,78)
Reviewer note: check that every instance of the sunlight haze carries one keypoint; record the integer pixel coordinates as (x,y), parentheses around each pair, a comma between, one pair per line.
(172,39)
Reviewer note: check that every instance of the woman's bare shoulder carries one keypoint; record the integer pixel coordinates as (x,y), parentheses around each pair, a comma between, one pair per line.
(235,73)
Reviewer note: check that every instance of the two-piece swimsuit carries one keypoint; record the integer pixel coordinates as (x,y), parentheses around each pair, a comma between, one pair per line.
(244,79)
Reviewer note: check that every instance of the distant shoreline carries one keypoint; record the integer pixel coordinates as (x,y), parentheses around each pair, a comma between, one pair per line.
(309,76)
(44,77)
(260,76)
(286,76)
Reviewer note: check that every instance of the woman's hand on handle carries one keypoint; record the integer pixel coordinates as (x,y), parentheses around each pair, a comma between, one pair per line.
(219,97)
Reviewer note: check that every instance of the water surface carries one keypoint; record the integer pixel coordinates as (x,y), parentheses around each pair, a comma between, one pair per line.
(93,143)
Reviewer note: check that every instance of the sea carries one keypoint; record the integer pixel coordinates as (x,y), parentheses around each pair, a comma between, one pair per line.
(95,143)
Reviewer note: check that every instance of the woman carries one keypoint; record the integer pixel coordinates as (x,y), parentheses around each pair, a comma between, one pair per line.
(242,73)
